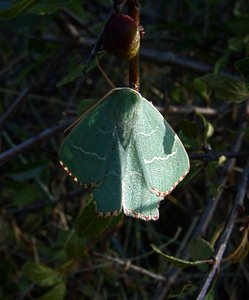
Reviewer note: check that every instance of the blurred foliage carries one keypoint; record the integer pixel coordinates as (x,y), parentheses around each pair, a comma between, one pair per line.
(52,245)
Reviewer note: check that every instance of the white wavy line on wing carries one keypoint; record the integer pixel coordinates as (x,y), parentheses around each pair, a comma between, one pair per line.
(112,173)
(149,161)
(147,134)
(103,131)
(89,153)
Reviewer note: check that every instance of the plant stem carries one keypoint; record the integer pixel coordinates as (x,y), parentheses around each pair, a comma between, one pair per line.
(133,7)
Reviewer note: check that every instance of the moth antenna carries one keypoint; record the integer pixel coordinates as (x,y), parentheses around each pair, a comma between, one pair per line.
(77,120)
(108,80)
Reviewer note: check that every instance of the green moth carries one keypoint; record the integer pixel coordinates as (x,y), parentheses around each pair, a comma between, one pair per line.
(128,154)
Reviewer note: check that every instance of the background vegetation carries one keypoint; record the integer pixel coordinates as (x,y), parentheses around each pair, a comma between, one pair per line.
(45,252)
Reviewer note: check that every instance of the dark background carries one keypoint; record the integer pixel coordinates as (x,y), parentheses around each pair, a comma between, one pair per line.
(42,253)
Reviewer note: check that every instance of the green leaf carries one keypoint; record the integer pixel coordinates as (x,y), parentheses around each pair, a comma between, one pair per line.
(42,275)
(89,225)
(48,6)
(26,194)
(226,88)
(235,44)
(86,104)
(221,63)
(208,128)
(201,87)
(76,72)
(56,293)
(14,10)
(210,295)
(180,263)
(243,67)
(239,26)
(186,290)
(75,246)
(27,171)
(200,249)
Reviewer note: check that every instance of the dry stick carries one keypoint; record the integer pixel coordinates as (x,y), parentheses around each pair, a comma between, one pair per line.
(158,57)
(12,63)
(129,265)
(44,135)
(12,107)
(206,217)
(171,109)
(32,96)
(223,241)
(212,155)
(187,109)
(24,161)
(171,58)
(175,274)
(149,55)
(213,202)
(39,204)
(210,208)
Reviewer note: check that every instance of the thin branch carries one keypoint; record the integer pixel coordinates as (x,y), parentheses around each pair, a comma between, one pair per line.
(171,58)
(171,109)
(39,204)
(13,106)
(44,135)
(12,63)
(158,57)
(212,155)
(173,271)
(155,56)
(134,11)
(213,202)
(33,96)
(224,239)
(187,109)
(128,265)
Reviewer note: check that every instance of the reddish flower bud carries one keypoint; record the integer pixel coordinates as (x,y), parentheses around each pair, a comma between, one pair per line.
(121,36)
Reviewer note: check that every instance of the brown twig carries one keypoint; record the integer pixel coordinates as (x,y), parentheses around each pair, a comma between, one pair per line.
(173,59)
(223,241)
(213,202)
(212,155)
(187,109)
(12,63)
(39,204)
(149,55)
(13,106)
(134,11)
(44,135)
(128,265)
(155,56)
